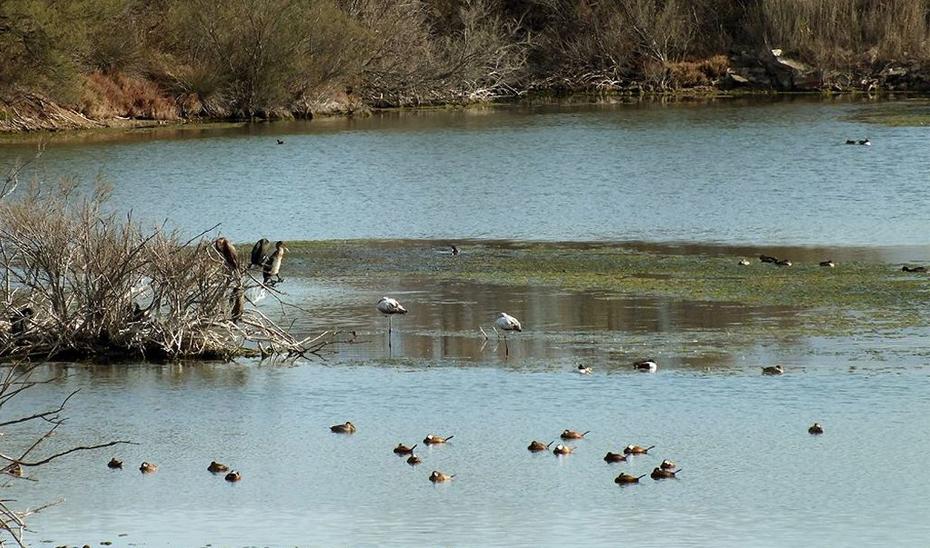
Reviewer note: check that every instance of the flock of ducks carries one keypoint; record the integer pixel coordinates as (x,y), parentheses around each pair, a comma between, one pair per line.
(215,468)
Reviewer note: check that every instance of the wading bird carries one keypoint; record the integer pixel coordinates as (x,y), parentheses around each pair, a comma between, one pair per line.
(260,252)
(228,252)
(389,307)
(272,267)
(505,322)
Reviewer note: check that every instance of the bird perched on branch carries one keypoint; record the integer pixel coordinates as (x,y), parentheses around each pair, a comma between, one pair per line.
(260,252)
(272,267)
(228,252)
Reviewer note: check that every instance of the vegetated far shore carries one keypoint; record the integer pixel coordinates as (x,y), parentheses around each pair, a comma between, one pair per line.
(117,63)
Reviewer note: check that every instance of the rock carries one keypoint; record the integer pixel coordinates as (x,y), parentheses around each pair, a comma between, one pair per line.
(792,75)
(733,80)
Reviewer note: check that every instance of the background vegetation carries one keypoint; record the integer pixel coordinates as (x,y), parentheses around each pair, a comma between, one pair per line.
(241,58)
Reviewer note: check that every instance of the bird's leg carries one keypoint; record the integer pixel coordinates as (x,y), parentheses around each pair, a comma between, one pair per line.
(506,347)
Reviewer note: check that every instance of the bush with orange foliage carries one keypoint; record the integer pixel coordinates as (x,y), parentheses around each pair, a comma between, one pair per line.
(118,95)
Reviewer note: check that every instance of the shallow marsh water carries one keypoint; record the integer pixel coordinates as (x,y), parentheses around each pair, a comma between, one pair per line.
(714,179)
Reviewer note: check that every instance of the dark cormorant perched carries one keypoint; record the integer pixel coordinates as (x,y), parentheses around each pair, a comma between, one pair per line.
(238,304)
(228,252)
(260,252)
(272,266)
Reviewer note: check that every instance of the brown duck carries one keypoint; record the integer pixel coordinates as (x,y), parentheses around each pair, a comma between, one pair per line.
(439,477)
(636,449)
(413,460)
(659,473)
(614,457)
(347,428)
(148,468)
(625,479)
(233,476)
(115,463)
(436,440)
(538,446)
(402,449)
(667,465)
(573,435)
(773,370)
(815,429)
(563,450)
(216,467)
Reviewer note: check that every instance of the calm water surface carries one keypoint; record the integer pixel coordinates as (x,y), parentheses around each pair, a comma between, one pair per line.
(769,173)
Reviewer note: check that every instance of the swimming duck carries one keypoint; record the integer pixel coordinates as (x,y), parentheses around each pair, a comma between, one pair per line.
(563,450)
(667,465)
(637,449)
(828,264)
(413,460)
(767,259)
(216,467)
(439,477)
(865,142)
(659,473)
(115,463)
(815,429)
(280,142)
(584,370)
(783,262)
(573,435)
(646,366)
(233,476)
(402,449)
(851,142)
(455,250)
(773,370)
(614,457)
(744,262)
(14,469)
(430,439)
(148,468)
(624,478)
(347,428)
(906,268)
(537,446)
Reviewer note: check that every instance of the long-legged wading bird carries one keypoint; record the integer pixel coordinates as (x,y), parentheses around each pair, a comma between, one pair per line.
(260,252)
(505,322)
(272,267)
(228,252)
(389,307)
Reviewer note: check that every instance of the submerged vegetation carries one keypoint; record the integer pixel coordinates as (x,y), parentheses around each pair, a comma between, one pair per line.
(69,64)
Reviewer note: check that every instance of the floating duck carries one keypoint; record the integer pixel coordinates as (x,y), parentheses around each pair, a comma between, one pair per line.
(667,465)
(573,435)
(402,449)
(828,264)
(783,262)
(584,370)
(14,469)
(646,366)
(625,479)
(815,429)
(660,473)
(233,476)
(148,468)
(347,428)
(637,449)
(614,457)
(216,467)
(563,450)
(115,463)
(773,370)
(537,446)
(280,142)
(439,477)
(413,460)
(430,439)
(906,268)
(767,259)
(865,142)
(455,250)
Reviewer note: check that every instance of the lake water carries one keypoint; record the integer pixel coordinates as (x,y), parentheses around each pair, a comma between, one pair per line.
(724,174)
(769,173)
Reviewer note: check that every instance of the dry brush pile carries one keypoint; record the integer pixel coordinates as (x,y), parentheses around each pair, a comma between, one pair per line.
(81,283)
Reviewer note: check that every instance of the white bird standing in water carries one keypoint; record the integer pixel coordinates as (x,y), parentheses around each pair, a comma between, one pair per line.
(389,307)
(505,322)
